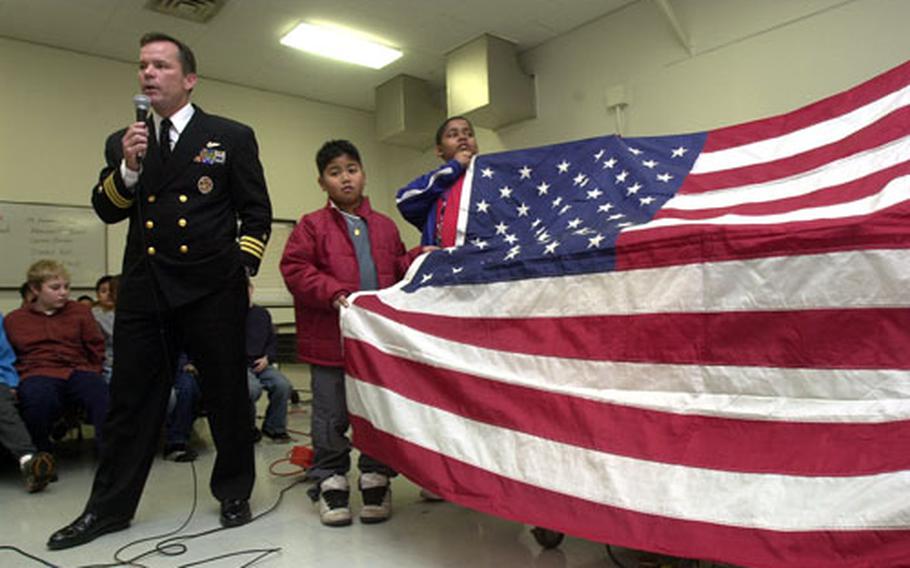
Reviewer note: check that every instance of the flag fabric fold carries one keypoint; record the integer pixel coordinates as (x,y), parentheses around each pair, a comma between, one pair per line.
(697,345)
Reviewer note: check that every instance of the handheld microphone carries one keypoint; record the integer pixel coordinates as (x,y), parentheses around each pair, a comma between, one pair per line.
(142,104)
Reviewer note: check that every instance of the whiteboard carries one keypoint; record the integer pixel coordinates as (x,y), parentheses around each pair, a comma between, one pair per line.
(69,234)
(269,285)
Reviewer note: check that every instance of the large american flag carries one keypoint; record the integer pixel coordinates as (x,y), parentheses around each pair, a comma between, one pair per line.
(697,345)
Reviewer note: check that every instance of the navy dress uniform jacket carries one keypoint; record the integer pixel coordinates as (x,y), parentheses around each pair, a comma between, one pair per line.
(196,219)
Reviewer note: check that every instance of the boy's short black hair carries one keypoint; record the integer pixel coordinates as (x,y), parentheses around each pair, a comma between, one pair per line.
(103,280)
(85,297)
(334,148)
(442,127)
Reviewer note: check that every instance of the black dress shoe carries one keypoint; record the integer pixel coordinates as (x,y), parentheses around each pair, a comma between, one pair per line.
(86,528)
(235,512)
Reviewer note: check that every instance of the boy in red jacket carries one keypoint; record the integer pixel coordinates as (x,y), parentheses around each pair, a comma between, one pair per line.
(332,252)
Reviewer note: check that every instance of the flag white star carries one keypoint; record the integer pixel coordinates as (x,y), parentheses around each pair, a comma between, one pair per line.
(574,223)
(595,241)
(487,173)
(579,179)
(543,237)
(525,172)
(626,224)
(501,228)
(551,248)
(457,269)
(598,155)
(649,163)
(679,152)
(543,188)
(615,216)
(482,206)
(635,151)
(505,192)
(513,252)
(595,193)
(557,202)
(426,278)
(523,210)
(633,189)
(605,208)
(564,209)
(479,243)
(664,177)
(563,166)
(583,231)
(609,163)
(622,176)
(510,238)
(646,200)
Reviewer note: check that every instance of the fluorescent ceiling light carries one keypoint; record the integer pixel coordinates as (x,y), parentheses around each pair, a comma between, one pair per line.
(340,44)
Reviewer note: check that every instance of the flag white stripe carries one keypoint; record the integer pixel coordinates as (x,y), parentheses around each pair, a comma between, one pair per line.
(778,283)
(802,140)
(832,174)
(896,191)
(787,503)
(756,393)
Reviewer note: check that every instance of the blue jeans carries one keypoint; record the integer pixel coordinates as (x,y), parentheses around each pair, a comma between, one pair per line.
(181,411)
(279,389)
(42,401)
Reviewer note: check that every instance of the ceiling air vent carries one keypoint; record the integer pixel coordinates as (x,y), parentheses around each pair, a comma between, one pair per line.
(194,10)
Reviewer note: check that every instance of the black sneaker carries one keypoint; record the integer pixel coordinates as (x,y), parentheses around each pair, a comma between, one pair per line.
(179,453)
(38,471)
(333,503)
(276,436)
(376,494)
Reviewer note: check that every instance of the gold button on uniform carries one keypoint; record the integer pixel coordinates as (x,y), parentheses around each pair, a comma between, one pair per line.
(152,198)
(184,249)
(182,199)
(181,222)
(149,224)
(151,250)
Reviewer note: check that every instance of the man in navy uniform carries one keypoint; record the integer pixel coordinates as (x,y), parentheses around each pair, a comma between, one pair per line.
(192,186)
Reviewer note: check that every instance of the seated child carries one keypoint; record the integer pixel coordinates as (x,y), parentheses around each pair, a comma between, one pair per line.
(59,350)
(37,468)
(261,351)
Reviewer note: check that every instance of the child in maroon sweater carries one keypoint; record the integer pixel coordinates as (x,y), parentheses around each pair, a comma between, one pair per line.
(59,351)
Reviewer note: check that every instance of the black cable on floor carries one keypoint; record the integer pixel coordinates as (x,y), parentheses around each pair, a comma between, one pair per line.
(27,555)
(613,558)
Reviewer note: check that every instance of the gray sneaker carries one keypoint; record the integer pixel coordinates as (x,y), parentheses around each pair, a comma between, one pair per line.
(334,496)
(377,498)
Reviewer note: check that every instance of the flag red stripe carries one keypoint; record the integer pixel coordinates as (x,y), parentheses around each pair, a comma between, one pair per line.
(893,127)
(683,439)
(838,104)
(672,246)
(865,338)
(844,193)
(490,493)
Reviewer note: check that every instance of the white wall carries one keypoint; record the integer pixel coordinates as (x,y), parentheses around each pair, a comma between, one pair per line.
(753,58)
(57,107)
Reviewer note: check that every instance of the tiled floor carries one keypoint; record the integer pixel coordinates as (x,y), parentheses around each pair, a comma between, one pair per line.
(419,534)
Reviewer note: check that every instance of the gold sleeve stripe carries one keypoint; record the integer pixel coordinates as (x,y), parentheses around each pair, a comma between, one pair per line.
(110,189)
(253,243)
(251,250)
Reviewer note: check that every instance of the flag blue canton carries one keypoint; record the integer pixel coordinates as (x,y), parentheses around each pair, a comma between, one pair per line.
(558,209)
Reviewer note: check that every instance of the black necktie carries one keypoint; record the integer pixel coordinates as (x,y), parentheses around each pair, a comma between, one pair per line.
(164,139)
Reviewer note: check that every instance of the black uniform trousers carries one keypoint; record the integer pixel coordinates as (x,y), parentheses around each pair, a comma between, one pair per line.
(146,346)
